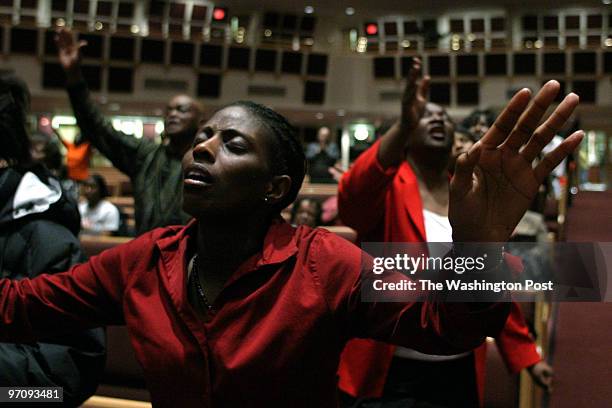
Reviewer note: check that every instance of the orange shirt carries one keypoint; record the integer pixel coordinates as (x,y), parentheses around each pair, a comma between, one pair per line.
(77,160)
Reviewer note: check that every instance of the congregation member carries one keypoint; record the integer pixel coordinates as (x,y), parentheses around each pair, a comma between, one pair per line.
(154,169)
(322,156)
(398,191)
(98,215)
(306,211)
(463,140)
(38,228)
(478,122)
(239,308)
(78,155)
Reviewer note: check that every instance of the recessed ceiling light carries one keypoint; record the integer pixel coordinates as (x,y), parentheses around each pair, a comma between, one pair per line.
(308,9)
(349,11)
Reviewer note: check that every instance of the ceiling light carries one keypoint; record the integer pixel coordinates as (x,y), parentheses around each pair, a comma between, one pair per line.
(362,132)
(349,11)
(308,9)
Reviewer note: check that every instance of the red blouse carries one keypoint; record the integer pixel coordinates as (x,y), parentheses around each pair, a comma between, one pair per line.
(281,320)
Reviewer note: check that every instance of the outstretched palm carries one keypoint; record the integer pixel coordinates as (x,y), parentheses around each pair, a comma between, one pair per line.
(69,49)
(495,183)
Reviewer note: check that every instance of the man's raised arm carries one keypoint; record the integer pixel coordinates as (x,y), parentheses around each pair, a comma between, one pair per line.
(118,147)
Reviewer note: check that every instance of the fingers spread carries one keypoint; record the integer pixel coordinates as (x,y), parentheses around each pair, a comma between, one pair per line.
(505,121)
(545,132)
(531,117)
(552,159)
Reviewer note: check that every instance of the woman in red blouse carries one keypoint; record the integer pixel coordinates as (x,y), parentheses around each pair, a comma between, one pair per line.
(238,308)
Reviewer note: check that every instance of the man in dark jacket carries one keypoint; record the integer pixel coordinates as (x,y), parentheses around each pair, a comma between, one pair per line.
(38,227)
(155,170)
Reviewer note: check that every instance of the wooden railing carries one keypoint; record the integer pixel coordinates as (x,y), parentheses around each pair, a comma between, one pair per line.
(107,402)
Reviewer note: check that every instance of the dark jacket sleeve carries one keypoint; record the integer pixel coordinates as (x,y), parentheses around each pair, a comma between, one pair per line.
(74,360)
(121,149)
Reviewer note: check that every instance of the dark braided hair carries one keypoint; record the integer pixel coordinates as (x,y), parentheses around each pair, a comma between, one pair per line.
(288,156)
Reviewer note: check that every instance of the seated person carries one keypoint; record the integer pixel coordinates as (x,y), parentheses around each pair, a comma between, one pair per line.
(478,122)
(463,140)
(322,156)
(98,216)
(306,211)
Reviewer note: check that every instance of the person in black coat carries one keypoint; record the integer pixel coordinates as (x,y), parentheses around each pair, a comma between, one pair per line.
(38,229)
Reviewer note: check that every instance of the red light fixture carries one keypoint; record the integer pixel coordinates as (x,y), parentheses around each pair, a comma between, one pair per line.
(371,29)
(219,13)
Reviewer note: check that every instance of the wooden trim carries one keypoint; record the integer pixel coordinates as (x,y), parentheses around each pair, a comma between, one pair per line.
(108,402)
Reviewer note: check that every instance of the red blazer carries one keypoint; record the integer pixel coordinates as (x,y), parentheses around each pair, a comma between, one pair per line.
(384,205)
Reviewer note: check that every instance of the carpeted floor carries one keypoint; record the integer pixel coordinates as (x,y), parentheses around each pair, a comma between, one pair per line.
(582,356)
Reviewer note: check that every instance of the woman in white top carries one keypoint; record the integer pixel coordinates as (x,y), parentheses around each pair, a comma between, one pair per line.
(98,216)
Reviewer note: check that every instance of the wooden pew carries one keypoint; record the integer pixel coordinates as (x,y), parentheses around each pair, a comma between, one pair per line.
(125,204)
(107,402)
(94,244)
(320,192)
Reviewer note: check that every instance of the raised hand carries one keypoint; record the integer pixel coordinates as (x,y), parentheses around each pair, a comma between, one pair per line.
(392,145)
(414,97)
(495,182)
(69,53)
